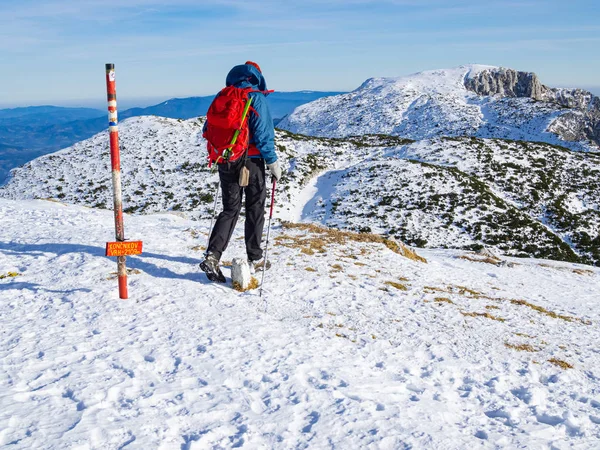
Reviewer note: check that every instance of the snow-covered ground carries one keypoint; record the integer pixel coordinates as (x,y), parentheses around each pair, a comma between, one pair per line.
(351,346)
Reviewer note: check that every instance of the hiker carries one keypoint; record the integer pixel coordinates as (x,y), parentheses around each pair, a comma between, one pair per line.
(254,147)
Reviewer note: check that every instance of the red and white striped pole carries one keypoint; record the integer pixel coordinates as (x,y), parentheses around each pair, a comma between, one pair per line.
(115,160)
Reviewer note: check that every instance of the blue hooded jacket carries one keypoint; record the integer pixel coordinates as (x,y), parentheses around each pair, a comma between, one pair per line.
(262,131)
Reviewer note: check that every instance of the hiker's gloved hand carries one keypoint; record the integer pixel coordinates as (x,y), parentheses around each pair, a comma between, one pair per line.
(275,170)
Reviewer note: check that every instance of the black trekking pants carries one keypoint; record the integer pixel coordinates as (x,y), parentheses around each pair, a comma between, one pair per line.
(256,193)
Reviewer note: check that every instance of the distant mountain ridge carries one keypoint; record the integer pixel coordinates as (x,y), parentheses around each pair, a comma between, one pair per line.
(471,100)
(43,115)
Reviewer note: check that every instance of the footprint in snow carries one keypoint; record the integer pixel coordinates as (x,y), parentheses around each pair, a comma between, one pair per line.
(481,435)
(313,418)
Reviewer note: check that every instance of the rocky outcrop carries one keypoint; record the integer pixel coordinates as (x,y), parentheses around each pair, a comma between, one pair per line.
(507,83)
(582,123)
(570,98)
(579,123)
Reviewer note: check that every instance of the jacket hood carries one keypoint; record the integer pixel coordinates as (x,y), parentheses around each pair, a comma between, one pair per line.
(246,73)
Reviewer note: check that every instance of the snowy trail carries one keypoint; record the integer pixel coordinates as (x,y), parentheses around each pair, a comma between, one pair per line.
(339,359)
(314,200)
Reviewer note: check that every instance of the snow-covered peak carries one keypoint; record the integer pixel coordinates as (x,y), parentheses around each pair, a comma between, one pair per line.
(476,69)
(442,81)
(468,100)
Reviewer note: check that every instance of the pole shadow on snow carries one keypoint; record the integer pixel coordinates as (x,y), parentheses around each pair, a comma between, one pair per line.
(135,262)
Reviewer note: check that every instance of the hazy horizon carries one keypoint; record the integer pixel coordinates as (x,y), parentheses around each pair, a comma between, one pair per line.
(143,102)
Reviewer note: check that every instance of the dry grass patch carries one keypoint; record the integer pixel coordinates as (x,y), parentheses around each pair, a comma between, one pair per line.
(548,313)
(486,315)
(462,290)
(308,245)
(198,247)
(337,268)
(334,236)
(521,347)
(399,286)
(524,335)
(346,253)
(560,363)
(194,233)
(359,264)
(10,275)
(471,293)
(310,269)
(252,285)
(583,271)
(577,270)
(443,300)
(433,289)
(482,259)
(459,290)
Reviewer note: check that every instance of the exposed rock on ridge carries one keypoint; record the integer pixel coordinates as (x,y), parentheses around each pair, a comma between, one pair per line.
(581,124)
(507,83)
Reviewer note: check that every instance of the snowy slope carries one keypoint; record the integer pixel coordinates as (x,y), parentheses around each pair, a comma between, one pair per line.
(522,198)
(437,103)
(164,167)
(527,199)
(448,354)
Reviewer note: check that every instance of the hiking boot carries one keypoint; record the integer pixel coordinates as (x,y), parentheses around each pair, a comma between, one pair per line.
(257,265)
(211,267)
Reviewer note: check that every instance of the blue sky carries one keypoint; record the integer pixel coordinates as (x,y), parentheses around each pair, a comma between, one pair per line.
(54,51)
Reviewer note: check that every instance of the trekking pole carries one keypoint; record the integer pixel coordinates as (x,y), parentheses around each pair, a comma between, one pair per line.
(268,232)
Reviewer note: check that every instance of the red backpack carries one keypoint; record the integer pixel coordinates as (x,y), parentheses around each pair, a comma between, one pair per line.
(224,118)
